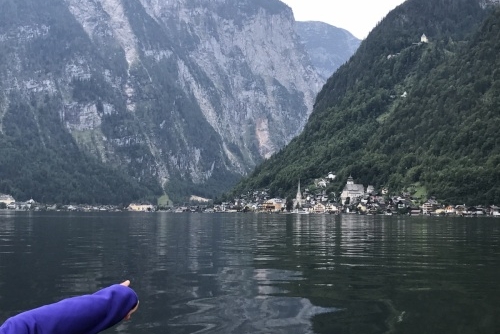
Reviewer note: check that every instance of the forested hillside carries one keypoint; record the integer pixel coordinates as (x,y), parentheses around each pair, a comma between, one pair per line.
(44,162)
(405,114)
(109,101)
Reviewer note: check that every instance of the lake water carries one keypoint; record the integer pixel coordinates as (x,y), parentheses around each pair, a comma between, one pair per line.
(268,273)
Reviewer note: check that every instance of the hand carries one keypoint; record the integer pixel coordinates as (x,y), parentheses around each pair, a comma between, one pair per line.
(127,317)
(126,283)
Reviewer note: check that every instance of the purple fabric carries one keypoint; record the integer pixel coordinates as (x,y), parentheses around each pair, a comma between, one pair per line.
(88,314)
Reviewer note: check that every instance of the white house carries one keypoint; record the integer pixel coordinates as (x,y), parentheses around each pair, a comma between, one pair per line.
(141,207)
(427,208)
(424,39)
(7,199)
(495,211)
(322,183)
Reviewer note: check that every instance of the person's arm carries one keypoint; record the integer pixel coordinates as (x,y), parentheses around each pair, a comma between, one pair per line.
(88,314)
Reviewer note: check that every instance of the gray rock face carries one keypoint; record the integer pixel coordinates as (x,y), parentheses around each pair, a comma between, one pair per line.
(197,92)
(329,47)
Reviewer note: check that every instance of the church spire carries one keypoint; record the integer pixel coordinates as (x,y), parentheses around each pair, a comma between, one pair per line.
(298,197)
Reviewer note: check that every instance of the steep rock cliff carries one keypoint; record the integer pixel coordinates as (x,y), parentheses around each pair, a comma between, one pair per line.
(329,47)
(188,94)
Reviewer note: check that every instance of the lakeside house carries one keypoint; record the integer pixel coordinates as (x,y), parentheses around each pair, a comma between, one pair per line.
(333,208)
(11,204)
(450,210)
(319,208)
(429,206)
(274,205)
(495,211)
(6,199)
(141,207)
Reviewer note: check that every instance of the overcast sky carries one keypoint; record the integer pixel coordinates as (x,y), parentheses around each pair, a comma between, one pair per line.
(357,16)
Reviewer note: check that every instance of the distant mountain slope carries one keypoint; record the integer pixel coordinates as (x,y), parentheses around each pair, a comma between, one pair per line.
(329,47)
(402,113)
(177,96)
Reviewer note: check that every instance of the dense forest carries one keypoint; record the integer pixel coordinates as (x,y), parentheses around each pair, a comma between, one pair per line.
(404,114)
(32,138)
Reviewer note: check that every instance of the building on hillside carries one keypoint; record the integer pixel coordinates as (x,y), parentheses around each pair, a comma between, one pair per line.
(7,199)
(424,39)
(331,176)
(370,190)
(351,191)
(322,183)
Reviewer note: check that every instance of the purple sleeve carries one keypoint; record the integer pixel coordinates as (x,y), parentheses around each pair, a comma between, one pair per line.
(88,314)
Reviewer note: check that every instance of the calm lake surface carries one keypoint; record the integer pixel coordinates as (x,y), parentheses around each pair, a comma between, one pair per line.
(249,273)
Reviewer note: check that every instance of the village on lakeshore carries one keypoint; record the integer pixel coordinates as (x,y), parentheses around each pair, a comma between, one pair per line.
(354,198)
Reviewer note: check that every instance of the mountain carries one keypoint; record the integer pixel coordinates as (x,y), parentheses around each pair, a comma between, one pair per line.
(329,47)
(114,100)
(405,113)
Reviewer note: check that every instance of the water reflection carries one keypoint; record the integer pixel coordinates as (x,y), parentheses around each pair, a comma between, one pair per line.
(248,308)
(200,273)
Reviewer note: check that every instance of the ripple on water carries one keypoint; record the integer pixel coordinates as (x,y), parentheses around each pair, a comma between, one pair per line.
(267,311)
(264,314)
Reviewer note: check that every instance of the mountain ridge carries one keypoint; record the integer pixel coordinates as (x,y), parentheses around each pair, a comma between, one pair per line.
(367,124)
(178,97)
(328,46)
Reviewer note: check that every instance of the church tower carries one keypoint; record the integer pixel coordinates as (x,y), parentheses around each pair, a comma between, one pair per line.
(298,198)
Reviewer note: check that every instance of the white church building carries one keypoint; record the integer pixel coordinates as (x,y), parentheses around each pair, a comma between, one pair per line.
(351,190)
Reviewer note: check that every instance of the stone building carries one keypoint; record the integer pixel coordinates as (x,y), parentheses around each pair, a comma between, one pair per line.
(351,191)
